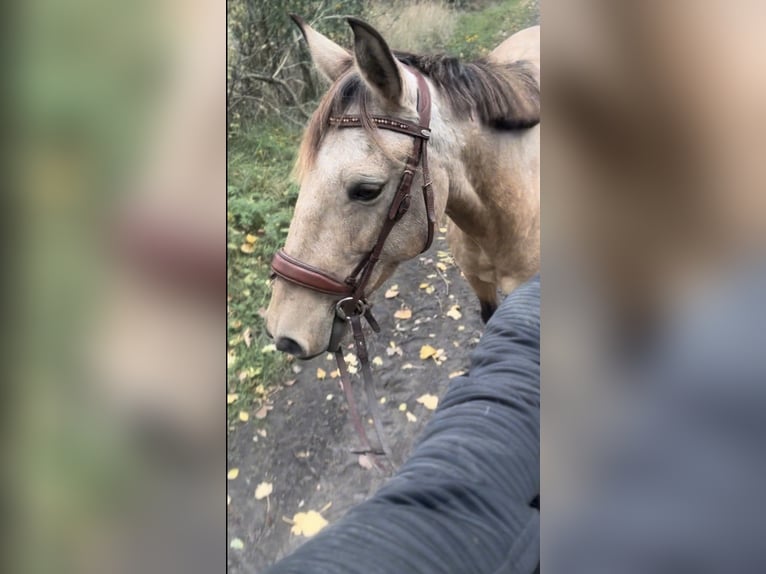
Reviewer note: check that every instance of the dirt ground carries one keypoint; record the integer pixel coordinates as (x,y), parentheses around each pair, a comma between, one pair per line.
(302,447)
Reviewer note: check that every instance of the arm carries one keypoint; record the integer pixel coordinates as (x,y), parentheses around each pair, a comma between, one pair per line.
(463,501)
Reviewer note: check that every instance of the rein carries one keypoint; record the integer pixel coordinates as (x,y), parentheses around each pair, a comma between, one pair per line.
(353,305)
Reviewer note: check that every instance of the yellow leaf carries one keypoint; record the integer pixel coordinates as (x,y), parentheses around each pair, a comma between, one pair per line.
(423,286)
(403,314)
(307,523)
(263,490)
(403,407)
(321,374)
(456,374)
(250,238)
(442,254)
(231,358)
(383,400)
(430,289)
(247,337)
(392,292)
(231,397)
(454,312)
(427,351)
(412,418)
(441,266)
(232,474)
(377,361)
(243,416)
(269,348)
(428,401)
(237,544)
(246,248)
(335,374)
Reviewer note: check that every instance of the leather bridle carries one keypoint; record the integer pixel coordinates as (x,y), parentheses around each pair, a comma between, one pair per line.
(352,303)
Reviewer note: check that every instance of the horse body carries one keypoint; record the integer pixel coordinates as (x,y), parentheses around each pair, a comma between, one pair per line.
(484,157)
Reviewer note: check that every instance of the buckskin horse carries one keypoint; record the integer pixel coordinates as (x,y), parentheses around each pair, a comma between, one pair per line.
(433,136)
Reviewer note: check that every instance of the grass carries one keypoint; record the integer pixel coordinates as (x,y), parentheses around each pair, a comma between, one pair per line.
(260,200)
(261,195)
(477,32)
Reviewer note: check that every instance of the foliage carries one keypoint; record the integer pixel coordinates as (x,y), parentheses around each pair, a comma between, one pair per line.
(478,32)
(269,72)
(260,200)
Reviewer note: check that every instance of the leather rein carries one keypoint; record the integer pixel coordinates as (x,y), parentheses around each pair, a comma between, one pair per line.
(352,303)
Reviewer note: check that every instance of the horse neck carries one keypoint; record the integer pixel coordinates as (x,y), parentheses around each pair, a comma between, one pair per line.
(470,158)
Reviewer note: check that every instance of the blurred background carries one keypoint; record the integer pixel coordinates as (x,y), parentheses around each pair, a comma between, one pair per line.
(117,428)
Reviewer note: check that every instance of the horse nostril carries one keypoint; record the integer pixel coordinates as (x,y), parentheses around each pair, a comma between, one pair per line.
(288,345)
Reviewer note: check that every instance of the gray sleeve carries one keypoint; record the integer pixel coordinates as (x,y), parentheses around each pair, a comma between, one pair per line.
(463,502)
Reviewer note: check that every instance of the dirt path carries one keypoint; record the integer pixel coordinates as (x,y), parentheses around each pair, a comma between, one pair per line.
(302,446)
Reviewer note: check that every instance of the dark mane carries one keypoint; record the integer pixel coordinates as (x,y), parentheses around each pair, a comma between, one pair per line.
(500,96)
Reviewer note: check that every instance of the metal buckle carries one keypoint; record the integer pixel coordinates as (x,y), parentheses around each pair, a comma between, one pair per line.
(342,310)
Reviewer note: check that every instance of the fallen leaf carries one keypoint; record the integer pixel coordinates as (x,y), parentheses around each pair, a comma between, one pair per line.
(424,286)
(442,255)
(247,337)
(335,374)
(442,230)
(403,407)
(262,412)
(237,544)
(383,400)
(351,359)
(231,358)
(352,369)
(321,374)
(430,289)
(428,401)
(231,397)
(427,351)
(454,374)
(377,361)
(454,312)
(461,328)
(289,383)
(307,523)
(243,416)
(269,348)
(392,292)
(410,417)
(263,490)
(365,462)
(246,248)
(403,314)
(441,266)
(329,397)
(394,349)
(250,238)
(232,474)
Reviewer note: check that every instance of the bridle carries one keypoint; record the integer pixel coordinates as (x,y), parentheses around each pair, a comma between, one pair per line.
(352,303)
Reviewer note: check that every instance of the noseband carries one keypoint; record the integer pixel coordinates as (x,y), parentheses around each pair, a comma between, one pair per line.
(352,303)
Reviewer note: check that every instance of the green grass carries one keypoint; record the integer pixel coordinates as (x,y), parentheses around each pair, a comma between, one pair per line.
(478,32)
(260,199)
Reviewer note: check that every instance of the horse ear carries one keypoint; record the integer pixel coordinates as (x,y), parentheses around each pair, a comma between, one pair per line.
(329,58)
(375,61)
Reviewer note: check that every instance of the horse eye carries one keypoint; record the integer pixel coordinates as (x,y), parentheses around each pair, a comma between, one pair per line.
(364,191)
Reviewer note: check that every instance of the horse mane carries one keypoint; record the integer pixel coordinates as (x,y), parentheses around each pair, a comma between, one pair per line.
(500,96)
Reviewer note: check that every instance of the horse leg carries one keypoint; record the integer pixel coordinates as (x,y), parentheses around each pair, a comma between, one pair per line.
(487,294)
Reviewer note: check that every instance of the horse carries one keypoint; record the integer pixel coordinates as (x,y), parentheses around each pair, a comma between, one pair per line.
(484,153)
